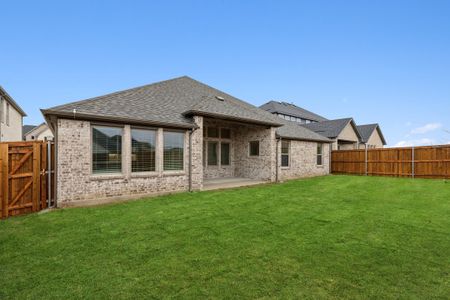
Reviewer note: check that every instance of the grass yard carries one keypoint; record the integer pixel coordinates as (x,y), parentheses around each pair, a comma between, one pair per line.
(328,237)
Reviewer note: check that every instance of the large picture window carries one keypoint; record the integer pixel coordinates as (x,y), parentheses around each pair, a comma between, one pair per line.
(173,151)
(285,145)
(319,154)
(212,153)
(106,149)
(225,154)
(143,150)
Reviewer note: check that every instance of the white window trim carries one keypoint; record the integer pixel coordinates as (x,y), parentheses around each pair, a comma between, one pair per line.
(288,154)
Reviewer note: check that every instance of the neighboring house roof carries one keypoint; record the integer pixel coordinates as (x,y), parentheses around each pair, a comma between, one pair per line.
(37,129)
(168,103)
(291,110)
(366,131)
(11,101)
(27,128)
(293,130)
(332,128)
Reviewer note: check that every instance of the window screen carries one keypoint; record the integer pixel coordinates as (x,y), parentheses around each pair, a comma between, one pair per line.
(173,150)
(106,150)
(212,153)
(254,148)
(143,150)
(225,154)
(7,113)
(319,154)
(285,153)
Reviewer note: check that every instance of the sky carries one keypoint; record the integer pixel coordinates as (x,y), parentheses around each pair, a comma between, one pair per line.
(385,62)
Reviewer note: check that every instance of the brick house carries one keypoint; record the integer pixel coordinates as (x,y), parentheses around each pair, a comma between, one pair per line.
(344,133)
(174,135)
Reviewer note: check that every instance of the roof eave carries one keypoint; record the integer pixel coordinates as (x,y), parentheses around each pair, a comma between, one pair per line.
(232,118)
(13,102)
(328,141)
(111,119)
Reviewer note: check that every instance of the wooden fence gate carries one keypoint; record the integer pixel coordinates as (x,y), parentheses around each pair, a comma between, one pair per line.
(26,177)
(421,162)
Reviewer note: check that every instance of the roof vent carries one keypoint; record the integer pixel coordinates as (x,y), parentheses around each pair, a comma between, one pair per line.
(220,98)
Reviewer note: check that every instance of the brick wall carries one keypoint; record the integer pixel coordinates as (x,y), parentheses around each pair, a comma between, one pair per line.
(303,160)
(77,184)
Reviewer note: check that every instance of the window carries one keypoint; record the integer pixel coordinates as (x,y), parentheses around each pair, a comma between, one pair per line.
(7,113)
(106,149)
(225,154)
(254,148)
(225,133)
(143,150)
(285,145)
(213,132)
(173,151)
(281,116)
(319,154)
(212,153)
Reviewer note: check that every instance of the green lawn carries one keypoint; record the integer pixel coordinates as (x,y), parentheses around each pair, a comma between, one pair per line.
(328,237)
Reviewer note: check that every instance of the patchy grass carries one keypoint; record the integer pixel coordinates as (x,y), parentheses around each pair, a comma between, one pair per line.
(328,237)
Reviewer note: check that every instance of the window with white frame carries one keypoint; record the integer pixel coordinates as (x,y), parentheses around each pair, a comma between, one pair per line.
(319,154)
(143,150)
(173,156)
(285,149)
(106,149)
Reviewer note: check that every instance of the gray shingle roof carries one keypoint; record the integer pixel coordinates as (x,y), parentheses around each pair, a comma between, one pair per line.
(366,131)
(26,129)
(169,102)
(173,102)
(291,110)
(293,130)
(332,128)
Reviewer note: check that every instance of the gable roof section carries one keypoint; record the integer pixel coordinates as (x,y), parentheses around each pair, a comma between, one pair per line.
(366,131)
(37,129)
(293,130)
(27,128)
(14,104)
(291,110)
(168,103)
(332,128)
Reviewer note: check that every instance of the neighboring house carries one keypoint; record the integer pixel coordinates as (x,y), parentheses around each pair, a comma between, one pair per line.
(38,133)
(26,129)
(11,118)
(291,112)
(343,133)
(371,136)
(174,135)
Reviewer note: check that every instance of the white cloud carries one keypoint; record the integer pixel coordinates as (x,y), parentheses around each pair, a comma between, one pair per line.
(426,128)
(419,142)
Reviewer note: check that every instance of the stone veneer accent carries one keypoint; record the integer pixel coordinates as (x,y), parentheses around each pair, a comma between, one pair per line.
(77,184)
(303,160)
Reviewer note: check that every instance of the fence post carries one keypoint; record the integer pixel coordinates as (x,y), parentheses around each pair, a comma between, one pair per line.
(4,180)
(49,174)
(366,163)
(412,163)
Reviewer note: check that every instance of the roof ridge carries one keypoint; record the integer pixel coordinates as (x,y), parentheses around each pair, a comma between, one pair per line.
(119,92)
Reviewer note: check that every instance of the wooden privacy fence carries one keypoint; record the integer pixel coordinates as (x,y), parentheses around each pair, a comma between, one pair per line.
(423,162)
(26,183)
